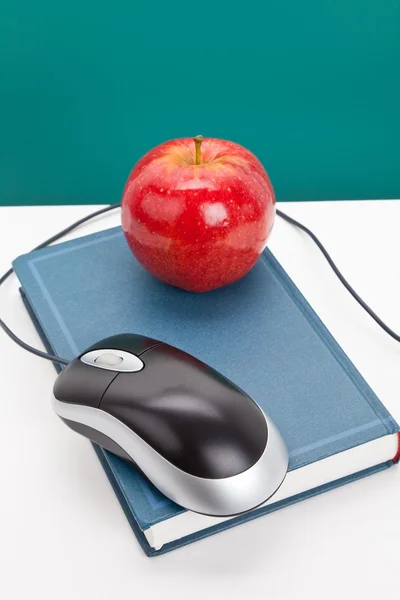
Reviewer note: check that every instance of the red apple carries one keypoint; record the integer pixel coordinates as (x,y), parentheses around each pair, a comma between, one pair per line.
(197,212)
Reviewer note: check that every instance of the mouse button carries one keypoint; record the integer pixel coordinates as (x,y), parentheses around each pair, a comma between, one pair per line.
(80,384)
(128,342)
(108,359)
(163,369)
(131,396)
(113,360)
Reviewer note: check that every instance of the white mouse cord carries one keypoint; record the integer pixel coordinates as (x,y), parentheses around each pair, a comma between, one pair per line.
(57,236)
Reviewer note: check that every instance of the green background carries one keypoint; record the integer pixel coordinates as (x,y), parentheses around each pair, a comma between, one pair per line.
(310,86)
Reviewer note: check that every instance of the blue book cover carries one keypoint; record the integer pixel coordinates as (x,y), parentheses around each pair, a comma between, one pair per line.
(259,332)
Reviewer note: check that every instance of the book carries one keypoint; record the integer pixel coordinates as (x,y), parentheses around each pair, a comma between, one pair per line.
(260,332)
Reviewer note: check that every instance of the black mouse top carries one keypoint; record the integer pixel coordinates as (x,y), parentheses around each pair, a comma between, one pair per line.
(189,413)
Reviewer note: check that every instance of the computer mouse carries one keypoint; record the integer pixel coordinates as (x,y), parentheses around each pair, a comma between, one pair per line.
(201,440)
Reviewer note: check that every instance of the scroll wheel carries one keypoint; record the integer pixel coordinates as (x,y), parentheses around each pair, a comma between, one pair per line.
(108,360)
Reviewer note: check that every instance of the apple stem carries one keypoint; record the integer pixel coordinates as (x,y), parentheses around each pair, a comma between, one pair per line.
(197,140)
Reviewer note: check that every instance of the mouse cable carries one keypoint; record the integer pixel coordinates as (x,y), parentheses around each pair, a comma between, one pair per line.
(335,269)
(285,217)
(54,238)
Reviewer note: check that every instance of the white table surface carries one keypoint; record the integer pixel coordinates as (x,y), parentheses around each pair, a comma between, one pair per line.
(63,534)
